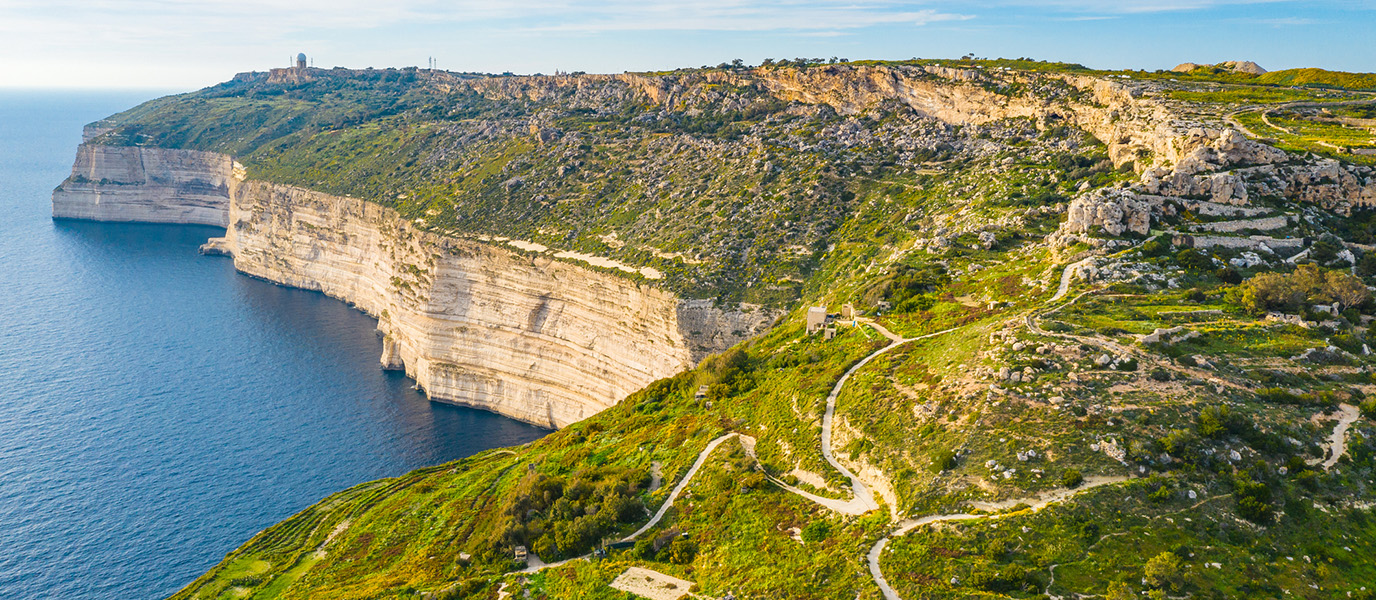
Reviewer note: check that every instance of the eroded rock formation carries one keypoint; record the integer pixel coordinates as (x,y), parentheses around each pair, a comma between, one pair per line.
(152,185)
(533,338)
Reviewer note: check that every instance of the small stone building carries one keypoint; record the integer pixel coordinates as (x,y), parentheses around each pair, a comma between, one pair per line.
(816,319)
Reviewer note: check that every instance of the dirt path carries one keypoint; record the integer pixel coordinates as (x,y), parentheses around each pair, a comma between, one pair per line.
(1036,504)
(678,489)
(534,563)
(1337,443)
(1067,276)
(863,498)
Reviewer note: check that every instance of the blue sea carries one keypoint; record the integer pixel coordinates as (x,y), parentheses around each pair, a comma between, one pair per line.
(156,408)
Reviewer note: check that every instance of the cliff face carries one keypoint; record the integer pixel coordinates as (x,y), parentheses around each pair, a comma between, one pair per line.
(1133,128)
(153,185)
(536,339)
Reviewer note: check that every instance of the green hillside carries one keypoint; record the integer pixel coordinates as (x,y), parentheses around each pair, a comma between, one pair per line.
(1115,415)
(1320,77)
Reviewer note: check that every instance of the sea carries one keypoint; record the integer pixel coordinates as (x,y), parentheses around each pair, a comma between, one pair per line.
(157,408)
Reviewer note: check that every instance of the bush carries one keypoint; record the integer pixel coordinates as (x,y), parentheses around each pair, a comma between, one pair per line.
(644,548)
(1163,571)
(1159,248)
(1369,409)
(1218,421)
(1072,478)
(682,550)
(1120,591)
(1253,500)
(943,459)
(1195,260)
(1160,374)
(1127,364)
(1228,275)
(1295,291)
(1325,250)
(816,531)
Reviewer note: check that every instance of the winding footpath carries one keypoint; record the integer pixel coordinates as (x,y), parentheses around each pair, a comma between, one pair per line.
(1035,504)
(1337,443)
(862,500)
(534,562)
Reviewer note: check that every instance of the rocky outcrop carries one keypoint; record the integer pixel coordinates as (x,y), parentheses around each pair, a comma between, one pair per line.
(152,185)
(530,337)
(1236,66)
(1110,211)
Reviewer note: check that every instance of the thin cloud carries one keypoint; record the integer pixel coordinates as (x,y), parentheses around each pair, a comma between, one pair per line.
(1283,21)
(1097,7)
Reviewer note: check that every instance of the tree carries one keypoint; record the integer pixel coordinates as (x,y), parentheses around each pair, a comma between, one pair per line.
(1346,290)
(1269,291)
(1366,267)
(1325,250)
(644,548)
(1120,591)
(682,550)
(1072,478)
(816,531)
(1163,571)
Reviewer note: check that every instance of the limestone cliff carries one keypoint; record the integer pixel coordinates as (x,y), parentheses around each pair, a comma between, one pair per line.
(530,337)
(153,185)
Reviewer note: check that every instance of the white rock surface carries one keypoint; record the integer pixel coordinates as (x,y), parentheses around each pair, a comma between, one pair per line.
(533,338)
(151,185)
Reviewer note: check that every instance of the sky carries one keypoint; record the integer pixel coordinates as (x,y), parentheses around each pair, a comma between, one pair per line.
(189,44)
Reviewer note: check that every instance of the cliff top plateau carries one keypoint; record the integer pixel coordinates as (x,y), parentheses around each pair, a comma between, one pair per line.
(1082,333)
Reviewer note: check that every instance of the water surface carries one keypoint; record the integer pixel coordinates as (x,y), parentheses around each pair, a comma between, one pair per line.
(156,408)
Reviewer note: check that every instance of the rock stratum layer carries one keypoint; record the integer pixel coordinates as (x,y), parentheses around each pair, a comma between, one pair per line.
(152,185)
(530,337)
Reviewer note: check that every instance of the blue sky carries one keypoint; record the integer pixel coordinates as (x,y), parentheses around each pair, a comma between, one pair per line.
(186,44)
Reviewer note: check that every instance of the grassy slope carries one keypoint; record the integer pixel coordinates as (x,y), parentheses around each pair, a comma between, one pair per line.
(927,401)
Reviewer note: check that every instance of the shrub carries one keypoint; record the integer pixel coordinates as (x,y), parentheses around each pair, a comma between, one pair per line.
(1160,374)
(1253,500)
(1159,248)
(1072,478)
(1218,421)
(1127,364)
(1366,267)
(1120,591)
(943,459)
(1163,571)
(1228,275)
(1325,250)
(644,548)
(1195,260)
(816,531)
(1369,409)
(1178,441)
(682,550)
(1292,292)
